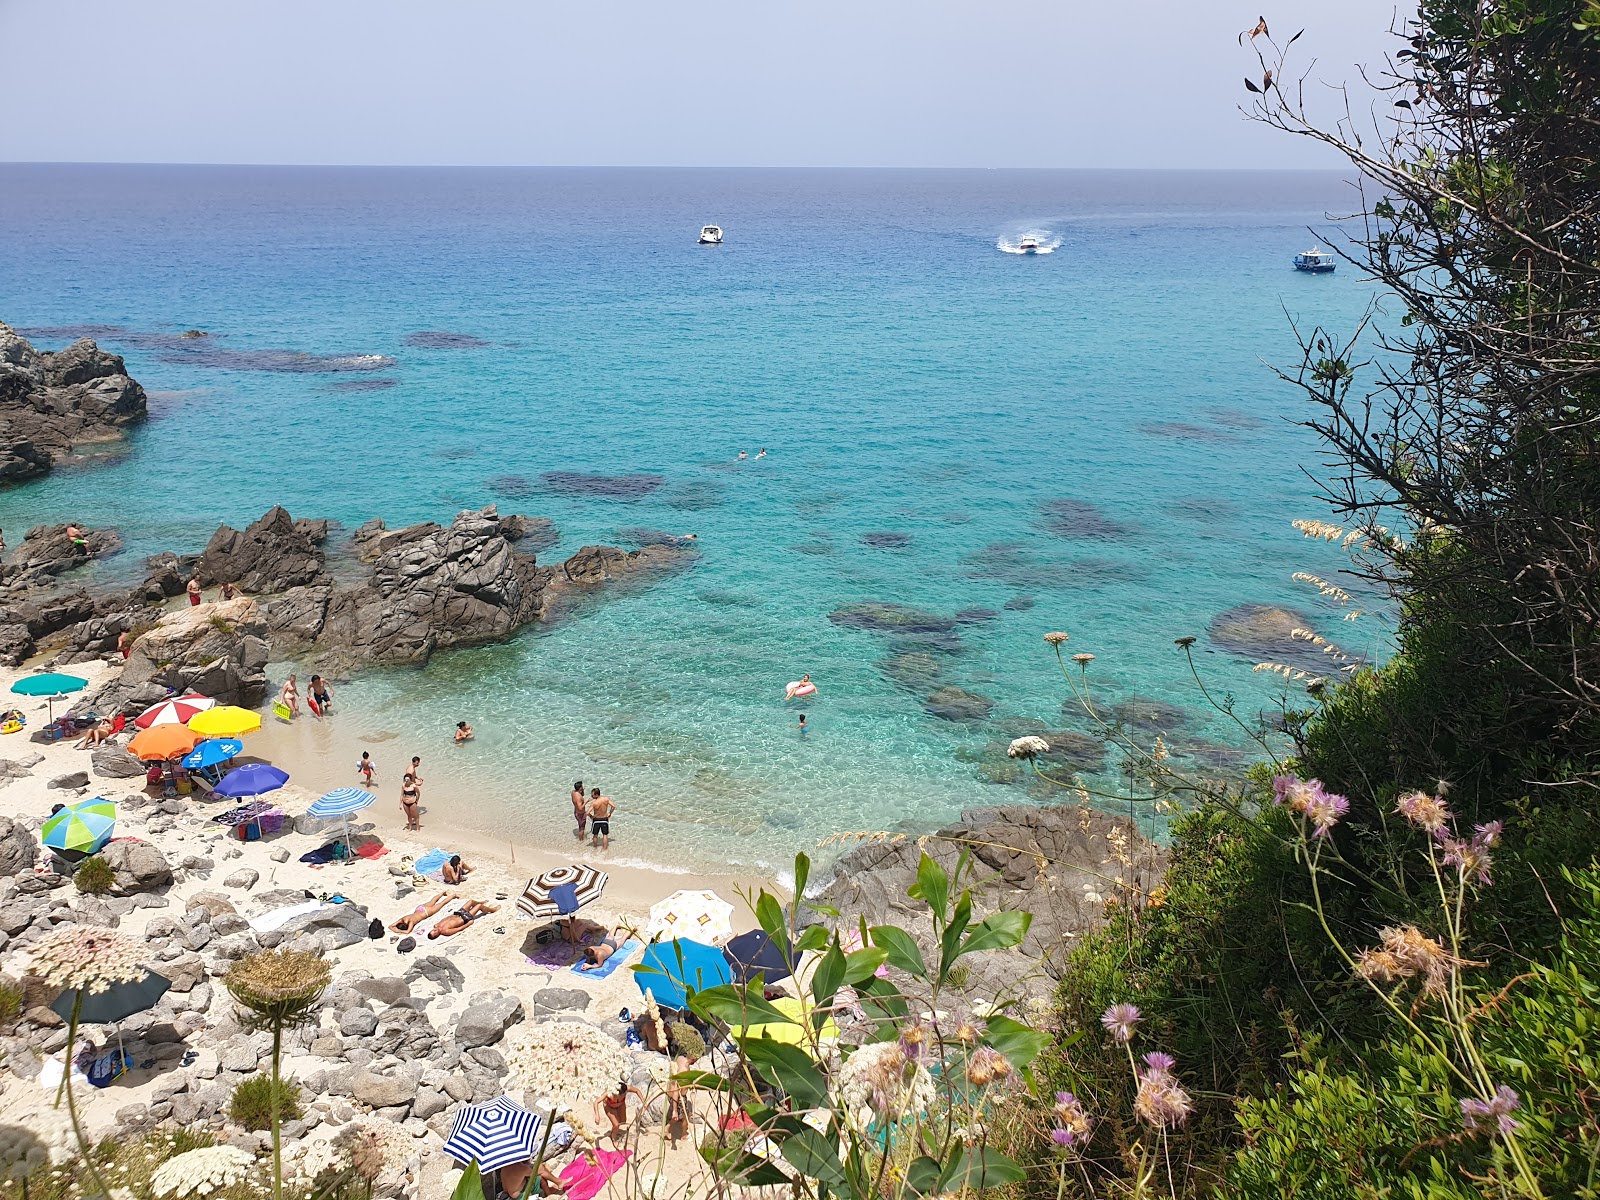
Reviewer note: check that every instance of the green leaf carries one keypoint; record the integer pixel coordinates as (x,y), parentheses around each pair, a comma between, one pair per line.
(814,1155)
(770,915)
(863,965)
(998,931)
(812,937)
(733,1005)
(471,1185)
(702,1079)
(981,1167)
(802,872)
(903,949)
(922,1176)
(950,943)
(790,1067)
(1018,1042)
(830,973)
(932,888)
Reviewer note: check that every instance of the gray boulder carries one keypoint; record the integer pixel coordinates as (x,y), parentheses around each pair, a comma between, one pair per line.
(138,867)
(244,877)
(219,650)
(384,1091)
(437,970)
(111,761)
(332,927)
(273,554)
(486,1020)
(18,849)
(57,405)
(70,781)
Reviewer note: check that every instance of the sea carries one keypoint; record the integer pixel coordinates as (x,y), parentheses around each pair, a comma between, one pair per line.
(1090,439)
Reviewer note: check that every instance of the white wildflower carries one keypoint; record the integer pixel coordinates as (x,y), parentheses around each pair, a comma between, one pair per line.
(1028,747)
(201,1172)
(88,958)
(567,1061)
(880,1083)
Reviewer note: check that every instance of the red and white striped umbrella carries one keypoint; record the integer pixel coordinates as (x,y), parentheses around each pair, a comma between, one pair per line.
(178,711)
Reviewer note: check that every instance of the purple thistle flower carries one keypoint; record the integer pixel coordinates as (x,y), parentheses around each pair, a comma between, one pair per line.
(1476,1114)
(1281,785)
(1119,1021)
(1072,1123)
(1472,857)
(1485,836)
(1325,810)
(1159,1063)
(1062,1136)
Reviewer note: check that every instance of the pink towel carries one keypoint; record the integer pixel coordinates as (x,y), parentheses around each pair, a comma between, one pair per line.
(584,1180)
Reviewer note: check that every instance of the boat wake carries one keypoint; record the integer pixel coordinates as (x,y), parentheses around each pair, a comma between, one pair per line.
(1032,241)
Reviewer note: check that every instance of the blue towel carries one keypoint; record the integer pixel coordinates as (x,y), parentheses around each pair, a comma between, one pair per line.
(610,964)
(106,1069)
(432,863)
(565,897)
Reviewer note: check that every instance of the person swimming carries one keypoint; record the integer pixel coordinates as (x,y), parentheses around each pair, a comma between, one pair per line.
(800,687)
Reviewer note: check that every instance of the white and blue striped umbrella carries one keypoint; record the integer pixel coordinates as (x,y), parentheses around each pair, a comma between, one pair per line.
(341,802)
(493,1135)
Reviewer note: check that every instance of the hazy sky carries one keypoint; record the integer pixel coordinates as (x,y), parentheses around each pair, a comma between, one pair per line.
(869,82)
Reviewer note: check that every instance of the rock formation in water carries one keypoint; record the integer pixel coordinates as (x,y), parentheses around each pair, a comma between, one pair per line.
(53,404)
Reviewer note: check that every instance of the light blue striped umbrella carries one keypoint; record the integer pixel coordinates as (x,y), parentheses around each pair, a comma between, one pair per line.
(341,802)
(494,1135)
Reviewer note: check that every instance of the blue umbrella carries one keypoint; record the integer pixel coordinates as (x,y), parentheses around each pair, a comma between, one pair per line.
(670,970)
(212,751)
(251,780)
(51,684)
(341,802)
(493,1135)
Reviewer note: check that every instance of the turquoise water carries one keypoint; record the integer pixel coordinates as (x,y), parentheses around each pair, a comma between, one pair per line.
(906,376)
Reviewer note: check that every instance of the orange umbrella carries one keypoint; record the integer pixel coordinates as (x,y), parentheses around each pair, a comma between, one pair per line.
(163,742)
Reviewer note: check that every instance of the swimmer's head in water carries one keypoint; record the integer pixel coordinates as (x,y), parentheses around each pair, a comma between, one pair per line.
(461,724)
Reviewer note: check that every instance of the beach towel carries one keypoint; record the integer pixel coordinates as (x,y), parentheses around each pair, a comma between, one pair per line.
(371,850)
(432,863)
(332,852)
(610,964)
(585,1179)
(50,1072)
(279,917)
(560,952)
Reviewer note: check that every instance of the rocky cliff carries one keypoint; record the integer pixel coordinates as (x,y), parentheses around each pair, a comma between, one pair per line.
(55,404)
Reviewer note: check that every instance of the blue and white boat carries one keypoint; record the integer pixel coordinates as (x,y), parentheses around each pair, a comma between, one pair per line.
(1316,260)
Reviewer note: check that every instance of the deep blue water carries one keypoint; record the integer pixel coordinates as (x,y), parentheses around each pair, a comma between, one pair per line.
(905,375)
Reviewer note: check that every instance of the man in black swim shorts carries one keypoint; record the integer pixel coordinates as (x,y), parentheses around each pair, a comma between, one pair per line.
(600,810)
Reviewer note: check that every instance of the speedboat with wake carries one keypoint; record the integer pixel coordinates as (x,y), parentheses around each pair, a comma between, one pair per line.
(1028,245)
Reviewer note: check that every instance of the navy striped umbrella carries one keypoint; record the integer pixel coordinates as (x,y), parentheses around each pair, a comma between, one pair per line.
(493,1135)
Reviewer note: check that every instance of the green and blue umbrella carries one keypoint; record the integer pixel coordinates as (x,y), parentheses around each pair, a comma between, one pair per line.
(672,970)
(81,828)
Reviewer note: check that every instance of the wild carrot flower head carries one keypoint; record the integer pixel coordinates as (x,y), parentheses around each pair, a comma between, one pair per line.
(1185,642)
(1083,660)
(1161,1100)
(88,958)
(1055,639)
(1477,1114)
(1119,1021)
(201,1171)
(1426,812)
(1027,747)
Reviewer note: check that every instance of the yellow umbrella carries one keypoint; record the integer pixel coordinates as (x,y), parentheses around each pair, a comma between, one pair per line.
(791,1032)
(226,720)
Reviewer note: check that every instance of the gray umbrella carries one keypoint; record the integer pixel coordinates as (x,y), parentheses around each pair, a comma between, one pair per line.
(121,1000)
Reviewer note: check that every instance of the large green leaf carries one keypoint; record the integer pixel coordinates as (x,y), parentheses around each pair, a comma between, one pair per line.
(702,1079)
(814,1155)
(812,937)
(981,1167)
(825,980)
(802,873)
(922,1176)
(790,1067)
(903,949)
(470,1186)
(771,916)
(998,931)
(734,1005)
(1018,1042)
(950,942)
(932,888)
(863,965)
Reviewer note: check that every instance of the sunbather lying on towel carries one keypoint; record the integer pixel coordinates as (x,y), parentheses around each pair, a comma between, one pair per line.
(421,913)
(461,918)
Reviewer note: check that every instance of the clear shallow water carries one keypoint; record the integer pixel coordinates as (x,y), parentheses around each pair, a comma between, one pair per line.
(907,376)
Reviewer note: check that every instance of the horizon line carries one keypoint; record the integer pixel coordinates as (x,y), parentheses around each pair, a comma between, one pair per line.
(650,166)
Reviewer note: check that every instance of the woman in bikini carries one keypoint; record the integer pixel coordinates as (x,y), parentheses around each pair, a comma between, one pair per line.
(420,914)
(461,918)
(615,1106)
(594,956)
(411,801)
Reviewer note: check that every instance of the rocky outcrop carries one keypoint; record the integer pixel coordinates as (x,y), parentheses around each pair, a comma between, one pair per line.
(273,554)
(46,551)
(1265,633)
(1065,865)
(54,404)
(218,650)
(18,847)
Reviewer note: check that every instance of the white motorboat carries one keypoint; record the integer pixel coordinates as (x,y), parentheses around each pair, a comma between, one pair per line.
(710,235)
(1028,245)
(1316,260)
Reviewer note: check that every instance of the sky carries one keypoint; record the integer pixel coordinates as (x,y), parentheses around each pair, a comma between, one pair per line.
(1013,83)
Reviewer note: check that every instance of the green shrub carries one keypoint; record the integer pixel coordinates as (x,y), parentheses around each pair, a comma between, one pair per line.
(94,876)
(251,1105)
(685,1041)
(10,1001)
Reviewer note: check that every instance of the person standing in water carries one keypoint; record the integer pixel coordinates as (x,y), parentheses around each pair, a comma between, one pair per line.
(411,801)
(600,810)
(322,694)
(803,725)
(580,808)
(289,697)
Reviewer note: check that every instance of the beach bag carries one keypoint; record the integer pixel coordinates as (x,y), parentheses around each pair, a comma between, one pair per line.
(407,945)
(375,930)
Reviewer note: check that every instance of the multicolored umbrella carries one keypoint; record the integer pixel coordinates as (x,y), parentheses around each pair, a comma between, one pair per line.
(213,751)
(341,802)
(50,684)
(252,779)
(494,1135)
(701,915)
(226,720)
(562,891)
(84,827)
(671,970)
(180,710)
(163,742)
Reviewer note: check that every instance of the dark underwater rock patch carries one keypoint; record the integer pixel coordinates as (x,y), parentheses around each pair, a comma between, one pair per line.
(605,487)
(1014,565)
(917,671)
(1019,604)
(137,338)
(1145,714)
(888,616)
(1185,431)
(361,385)
(951,703)
(512,487)
(1261,632)
(975,616)
(887,540)
(1235,418)
(439,339)
(929,641)
(1067,517)
(694,495)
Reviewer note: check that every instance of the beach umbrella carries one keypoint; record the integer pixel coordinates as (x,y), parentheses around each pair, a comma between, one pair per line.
(213,751)
(755,953)
(163,742)
(791,1032)
(83,828)
(251,780)
(494,1135)
(701,915)
(52,685)
(562,891)
(670,970)
(179,710)
(341,802)
(117,1003)
(226,720)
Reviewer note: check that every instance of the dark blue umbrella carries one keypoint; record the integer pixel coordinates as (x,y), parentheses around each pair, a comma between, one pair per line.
(251,780)
(213,751)
(755,953)
(493,1135)
(670,970)
(119,1001)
